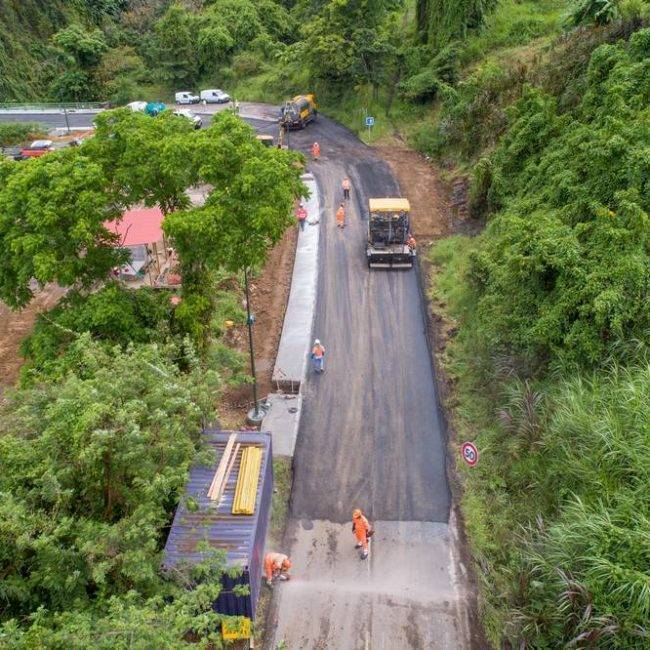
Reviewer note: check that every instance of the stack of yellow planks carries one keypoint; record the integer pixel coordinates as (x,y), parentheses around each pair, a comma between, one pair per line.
(247,480)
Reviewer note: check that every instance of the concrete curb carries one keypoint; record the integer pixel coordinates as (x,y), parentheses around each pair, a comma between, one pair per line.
(293,351)
(291,362)
(50,111)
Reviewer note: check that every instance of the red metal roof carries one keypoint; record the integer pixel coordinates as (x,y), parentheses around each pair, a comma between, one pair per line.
(139,226)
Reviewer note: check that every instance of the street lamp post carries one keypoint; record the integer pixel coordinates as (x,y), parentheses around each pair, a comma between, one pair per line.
(257,413)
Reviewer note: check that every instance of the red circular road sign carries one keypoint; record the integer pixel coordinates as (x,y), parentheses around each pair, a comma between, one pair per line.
(469,452)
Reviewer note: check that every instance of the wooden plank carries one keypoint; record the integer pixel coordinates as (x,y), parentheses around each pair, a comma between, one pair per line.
(223,465)
(231,464)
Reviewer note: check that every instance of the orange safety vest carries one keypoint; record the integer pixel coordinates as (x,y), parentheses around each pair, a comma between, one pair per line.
(318,351)
(315,150)
(346,184)
(340,215)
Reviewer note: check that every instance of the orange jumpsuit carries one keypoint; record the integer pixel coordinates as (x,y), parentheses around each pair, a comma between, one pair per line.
(360,527)
(275,563)
(315,150)
(340,217)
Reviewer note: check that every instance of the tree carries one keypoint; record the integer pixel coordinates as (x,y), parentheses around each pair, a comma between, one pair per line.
(176,45)
(344,43)
(246,212)
(85,47)
(90,466)
(52,211)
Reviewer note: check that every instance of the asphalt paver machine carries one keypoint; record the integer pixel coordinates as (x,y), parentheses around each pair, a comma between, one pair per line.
(388,234)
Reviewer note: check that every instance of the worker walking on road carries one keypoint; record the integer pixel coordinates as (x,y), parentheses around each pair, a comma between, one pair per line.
(362,531)
(276,567)
(340,216)
(346,188)
(318,356)
(315,151)
(301,215)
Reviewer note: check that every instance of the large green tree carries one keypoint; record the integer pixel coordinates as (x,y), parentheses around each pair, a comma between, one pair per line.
(175,41)
(89,467)
(52,211)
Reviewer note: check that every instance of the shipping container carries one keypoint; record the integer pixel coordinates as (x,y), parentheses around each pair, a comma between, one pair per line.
(242,537)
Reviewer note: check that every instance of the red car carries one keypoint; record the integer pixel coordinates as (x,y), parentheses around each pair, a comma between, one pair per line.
(35,150)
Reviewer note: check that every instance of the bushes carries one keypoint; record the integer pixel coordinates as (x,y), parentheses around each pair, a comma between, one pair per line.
(19,132)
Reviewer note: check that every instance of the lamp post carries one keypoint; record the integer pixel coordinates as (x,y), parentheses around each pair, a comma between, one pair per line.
(257,413)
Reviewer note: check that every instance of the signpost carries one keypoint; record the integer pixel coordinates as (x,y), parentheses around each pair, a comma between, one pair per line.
(370,122)
(469,452)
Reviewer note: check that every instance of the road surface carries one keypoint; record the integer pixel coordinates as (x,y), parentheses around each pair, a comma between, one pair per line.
(371,436)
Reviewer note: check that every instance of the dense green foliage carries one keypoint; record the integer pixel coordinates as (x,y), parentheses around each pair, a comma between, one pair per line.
(52,212)
(14,133)
(91,463)
(551,353)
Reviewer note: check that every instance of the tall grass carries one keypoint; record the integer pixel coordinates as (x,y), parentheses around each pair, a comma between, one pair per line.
(557,510)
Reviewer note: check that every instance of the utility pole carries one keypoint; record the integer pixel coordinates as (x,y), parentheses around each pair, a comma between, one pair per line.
(67,122)
(257,413)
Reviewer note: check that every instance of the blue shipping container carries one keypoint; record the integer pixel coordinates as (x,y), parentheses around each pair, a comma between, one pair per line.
(242,537)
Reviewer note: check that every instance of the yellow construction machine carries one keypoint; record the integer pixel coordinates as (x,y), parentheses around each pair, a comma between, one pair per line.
(298,112)
(388,234)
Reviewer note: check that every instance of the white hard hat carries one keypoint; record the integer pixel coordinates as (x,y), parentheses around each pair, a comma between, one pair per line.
(316,341)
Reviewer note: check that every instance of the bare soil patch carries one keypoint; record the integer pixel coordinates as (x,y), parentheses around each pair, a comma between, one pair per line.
(269,296)
(428,195)
(16,325)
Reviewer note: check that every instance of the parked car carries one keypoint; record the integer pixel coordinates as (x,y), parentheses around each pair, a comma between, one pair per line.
(150,108)
(36,149)
(191,116)
(215,96)
(186,97)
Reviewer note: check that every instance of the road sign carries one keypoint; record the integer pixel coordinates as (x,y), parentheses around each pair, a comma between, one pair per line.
(370,121)
(469,452)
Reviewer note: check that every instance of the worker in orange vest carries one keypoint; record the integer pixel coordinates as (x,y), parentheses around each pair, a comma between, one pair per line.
(346,188)
(318,356)
(340,216)
(301,215)
(276,566)
(362,531)
(315,151)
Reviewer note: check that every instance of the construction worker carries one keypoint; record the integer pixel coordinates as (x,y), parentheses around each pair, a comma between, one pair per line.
(362,531)
(301,215)
(340,216)
(318,356)
(346,188)
(315,151)
(410,242)
(276,567)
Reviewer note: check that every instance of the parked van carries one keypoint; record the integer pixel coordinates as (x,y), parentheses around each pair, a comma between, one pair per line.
(214,96)
(186,97)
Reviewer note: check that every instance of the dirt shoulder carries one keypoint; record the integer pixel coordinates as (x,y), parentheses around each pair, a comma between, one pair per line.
(269,296)
(427,194)
(16,325)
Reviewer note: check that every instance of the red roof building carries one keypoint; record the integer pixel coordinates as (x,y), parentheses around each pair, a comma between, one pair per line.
(140,231)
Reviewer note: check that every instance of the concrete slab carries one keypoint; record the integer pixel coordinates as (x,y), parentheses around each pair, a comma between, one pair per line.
(405,595)
(295,341)
(282,421)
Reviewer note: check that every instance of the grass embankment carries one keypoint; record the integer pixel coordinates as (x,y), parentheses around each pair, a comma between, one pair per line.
(549,360)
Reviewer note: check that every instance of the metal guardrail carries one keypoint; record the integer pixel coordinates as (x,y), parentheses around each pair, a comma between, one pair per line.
(44,106)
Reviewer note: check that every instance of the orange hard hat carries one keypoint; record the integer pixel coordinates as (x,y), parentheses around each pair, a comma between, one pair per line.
(356,513)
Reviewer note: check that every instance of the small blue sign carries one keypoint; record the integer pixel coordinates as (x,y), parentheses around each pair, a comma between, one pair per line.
(370,121)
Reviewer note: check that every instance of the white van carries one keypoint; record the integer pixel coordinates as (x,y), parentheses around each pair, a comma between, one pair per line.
(186,98)
(214,96)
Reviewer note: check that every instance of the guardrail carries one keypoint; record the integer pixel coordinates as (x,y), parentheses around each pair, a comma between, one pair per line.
(58,106)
